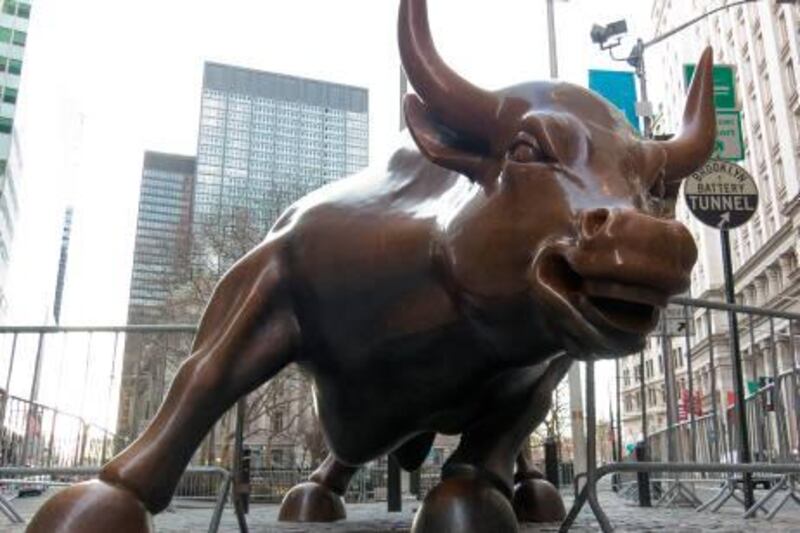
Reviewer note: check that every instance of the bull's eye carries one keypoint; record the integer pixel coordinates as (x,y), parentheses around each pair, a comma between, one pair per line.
(525,152)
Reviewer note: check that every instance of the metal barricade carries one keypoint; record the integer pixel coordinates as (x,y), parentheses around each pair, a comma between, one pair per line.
(703,447)
(210,484)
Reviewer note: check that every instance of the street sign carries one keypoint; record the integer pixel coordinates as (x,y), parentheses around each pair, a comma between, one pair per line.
(721,195)
(729,145)
(724,84)
(677,322)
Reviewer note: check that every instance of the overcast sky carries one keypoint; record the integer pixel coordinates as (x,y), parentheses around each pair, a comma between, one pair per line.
(105,81)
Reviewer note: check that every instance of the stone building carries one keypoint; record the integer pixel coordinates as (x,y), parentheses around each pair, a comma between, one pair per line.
(760,40)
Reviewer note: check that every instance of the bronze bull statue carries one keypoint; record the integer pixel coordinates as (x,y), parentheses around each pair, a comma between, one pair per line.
(447,291)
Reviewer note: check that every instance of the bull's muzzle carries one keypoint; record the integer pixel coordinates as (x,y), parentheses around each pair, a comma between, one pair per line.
(606,288)
(630,248)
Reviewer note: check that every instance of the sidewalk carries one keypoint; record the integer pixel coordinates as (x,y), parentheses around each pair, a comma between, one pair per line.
(373,518)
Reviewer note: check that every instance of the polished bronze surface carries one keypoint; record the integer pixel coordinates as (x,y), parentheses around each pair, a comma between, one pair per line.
(537,500)
(447,291)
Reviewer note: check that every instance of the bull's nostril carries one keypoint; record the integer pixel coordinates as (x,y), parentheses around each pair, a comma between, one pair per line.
(592,221)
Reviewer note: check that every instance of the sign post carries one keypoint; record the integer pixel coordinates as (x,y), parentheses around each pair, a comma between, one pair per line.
(724,196)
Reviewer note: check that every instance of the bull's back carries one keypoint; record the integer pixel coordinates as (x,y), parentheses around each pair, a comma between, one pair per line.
(363,257)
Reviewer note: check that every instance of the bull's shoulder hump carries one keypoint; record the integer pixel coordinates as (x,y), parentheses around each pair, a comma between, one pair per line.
(395,189)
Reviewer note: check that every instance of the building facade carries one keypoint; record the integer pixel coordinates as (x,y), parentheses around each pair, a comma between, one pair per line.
(265,141)
(760,40)
(14,18)
(160,266)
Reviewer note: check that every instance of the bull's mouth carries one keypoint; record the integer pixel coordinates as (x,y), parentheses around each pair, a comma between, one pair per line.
(607,315)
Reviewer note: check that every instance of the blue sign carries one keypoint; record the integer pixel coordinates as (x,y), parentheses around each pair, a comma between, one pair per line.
(619,88)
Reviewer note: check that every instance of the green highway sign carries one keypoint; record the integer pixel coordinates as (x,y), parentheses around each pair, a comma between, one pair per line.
(724,84)
(729,145)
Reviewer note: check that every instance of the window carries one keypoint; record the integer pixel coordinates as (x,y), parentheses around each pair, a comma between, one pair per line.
(10,7)
(6,124)
(15,66)
(20,37)
(10,95)
(780,177)
(5,34)
(277,422)
(788,79)
(276,457)
(772,130)
(783,31)
(24,10)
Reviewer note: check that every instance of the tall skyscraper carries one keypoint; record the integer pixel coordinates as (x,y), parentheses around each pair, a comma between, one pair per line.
(265,141)
(66,234)
(14,17)
(160,267)
(268,139)
(760,40)
(163,234)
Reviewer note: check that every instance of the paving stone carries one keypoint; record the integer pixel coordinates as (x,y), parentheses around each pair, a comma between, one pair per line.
(625,515)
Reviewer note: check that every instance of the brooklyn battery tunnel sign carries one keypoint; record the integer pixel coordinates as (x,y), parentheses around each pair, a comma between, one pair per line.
(721,195)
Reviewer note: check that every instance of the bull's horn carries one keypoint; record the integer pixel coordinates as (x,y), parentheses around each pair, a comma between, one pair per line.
(460,105)
(692,147)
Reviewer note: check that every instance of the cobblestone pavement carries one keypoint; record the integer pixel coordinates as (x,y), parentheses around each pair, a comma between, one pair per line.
(369,518)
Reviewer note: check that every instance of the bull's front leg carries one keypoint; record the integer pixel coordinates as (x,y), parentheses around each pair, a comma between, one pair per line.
(478,493)
(248,333)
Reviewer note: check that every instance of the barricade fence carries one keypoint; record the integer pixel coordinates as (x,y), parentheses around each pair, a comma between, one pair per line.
(702,437)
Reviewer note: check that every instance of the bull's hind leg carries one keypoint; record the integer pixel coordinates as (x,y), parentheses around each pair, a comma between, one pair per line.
(535,498)
(247,334)
(321,498)
(477,488)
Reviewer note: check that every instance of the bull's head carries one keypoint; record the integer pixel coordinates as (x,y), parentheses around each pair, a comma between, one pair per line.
(569,205)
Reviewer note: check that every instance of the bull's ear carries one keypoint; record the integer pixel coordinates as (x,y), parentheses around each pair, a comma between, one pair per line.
(440,144)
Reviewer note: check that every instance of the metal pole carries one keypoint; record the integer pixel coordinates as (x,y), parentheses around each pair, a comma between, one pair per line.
(37,369)
(619,415)
(394,500)
(692,416)
(712,366)
(403,92)
(238,494)
(643,393)
(669,378)
(643,480)
(738,381)
(551,36)
(641,73)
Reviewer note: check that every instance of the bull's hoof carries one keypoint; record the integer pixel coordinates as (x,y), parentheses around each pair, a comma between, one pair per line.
(537,500)
(311,502)
(465,505)
(92,507)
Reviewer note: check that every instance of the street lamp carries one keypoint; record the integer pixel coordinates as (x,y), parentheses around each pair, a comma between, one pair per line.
(601,35)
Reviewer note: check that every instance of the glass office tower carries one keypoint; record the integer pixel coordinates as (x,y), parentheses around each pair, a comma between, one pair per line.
(268,139)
